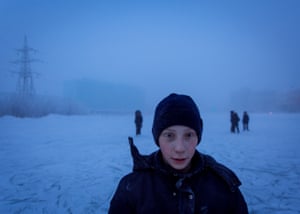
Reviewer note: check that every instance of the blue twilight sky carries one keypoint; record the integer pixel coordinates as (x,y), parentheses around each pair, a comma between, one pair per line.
(208,49)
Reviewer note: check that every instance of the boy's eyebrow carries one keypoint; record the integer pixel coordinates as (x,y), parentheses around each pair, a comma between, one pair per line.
(166,131)
(170,129)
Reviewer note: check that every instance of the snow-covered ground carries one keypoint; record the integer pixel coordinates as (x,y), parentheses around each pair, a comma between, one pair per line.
(72,164)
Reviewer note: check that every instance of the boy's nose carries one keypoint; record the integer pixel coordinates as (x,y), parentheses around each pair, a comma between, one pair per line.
(179,145)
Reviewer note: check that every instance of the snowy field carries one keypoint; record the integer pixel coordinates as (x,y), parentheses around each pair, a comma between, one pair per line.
(72,164)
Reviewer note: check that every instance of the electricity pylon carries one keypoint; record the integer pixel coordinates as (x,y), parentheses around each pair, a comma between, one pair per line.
(25,84)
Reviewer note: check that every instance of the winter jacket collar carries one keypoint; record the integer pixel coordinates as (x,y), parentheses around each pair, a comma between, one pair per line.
(200,163)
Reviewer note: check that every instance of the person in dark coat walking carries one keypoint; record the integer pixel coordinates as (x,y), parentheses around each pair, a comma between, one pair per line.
(234,119)
(138,120)
(177,178)
(245,121)
(232,128)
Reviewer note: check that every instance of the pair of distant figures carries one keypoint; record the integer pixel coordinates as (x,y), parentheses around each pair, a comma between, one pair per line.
(235,119)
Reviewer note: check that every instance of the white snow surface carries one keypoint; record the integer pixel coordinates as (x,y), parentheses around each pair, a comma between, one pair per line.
(72,164)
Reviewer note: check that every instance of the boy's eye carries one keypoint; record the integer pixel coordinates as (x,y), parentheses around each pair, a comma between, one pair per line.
(168,135)
(190,134)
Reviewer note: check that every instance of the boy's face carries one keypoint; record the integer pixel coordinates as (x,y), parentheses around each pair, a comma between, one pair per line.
(178,144)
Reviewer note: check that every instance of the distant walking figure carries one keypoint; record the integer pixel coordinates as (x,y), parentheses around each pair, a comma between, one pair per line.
(138,120)
(234,119)
(236,122)
(246,121)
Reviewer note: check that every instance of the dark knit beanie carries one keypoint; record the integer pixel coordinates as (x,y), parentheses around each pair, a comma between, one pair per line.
(176,109)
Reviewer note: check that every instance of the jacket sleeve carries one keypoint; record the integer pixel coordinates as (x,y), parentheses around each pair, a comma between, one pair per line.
(120,203)
(223,172)
(240,204)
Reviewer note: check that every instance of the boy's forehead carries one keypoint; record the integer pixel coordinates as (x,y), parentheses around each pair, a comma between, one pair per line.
(177,127)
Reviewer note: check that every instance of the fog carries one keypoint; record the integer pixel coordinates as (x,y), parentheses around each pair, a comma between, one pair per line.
(146,50)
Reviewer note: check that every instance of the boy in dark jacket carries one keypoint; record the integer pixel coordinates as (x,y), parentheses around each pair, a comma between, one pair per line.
(177,178)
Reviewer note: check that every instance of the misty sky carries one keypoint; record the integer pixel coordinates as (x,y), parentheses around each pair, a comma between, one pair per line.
(208,49)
